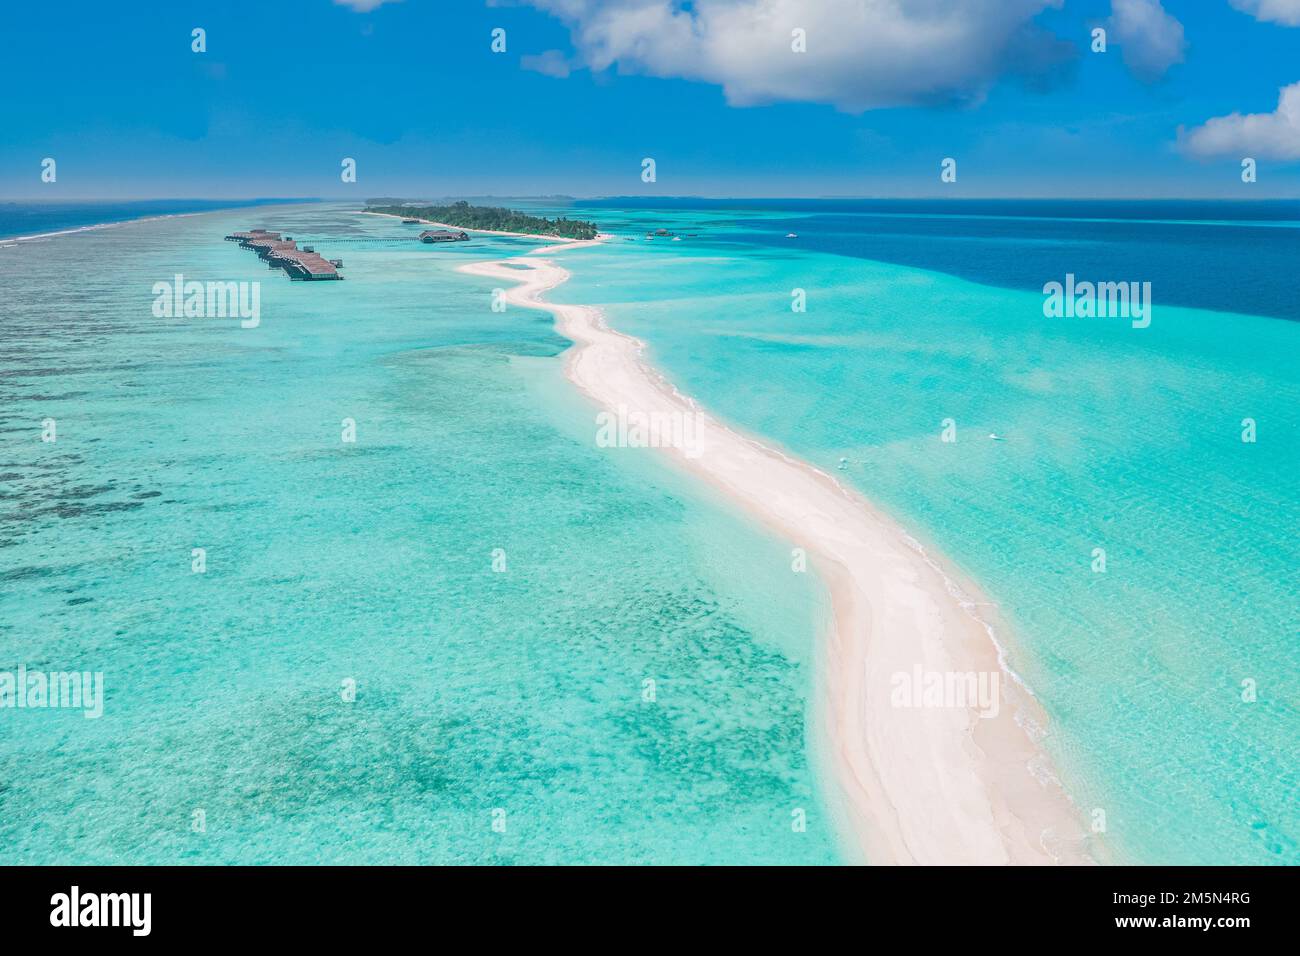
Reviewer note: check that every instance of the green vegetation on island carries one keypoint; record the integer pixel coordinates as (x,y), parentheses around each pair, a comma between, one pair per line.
(465,216)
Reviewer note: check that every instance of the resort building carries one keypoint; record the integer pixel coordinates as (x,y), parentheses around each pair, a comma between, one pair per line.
(284,254)
(443,235)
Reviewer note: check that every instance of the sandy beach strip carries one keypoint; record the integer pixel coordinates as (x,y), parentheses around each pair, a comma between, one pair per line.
(928,782)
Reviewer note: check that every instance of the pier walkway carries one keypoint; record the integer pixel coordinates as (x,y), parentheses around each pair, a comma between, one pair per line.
(283,253)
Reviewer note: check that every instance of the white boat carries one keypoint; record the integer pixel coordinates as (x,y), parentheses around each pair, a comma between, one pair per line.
(792,235)
(994,436)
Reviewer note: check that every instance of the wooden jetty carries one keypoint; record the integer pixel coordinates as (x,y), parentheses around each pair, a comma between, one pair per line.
(284,254)
(304,262)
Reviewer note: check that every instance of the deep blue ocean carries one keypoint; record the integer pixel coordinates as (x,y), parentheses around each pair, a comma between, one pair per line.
(1176,245)
(31,218)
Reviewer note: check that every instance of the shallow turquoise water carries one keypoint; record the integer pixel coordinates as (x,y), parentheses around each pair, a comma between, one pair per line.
(477,690)
(522,690)
(1116,438)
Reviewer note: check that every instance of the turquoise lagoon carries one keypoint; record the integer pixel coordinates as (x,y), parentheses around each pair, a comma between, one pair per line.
(1124,439)
(522,691)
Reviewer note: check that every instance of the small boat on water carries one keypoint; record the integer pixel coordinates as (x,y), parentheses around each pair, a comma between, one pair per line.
(410,222)
(792,235)
(994,436)
(677,238)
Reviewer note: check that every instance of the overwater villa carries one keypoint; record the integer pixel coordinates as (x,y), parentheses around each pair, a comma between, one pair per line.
(443,235)
(245,237)
(284,254)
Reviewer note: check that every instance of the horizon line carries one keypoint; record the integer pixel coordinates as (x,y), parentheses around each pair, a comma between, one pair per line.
(634,198)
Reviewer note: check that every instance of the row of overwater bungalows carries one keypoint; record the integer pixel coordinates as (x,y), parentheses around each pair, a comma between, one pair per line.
(283,253)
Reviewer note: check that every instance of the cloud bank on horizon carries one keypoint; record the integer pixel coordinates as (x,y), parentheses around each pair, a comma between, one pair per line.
(363,6)
(858,56)
(1273,135)
(897,53)
(1285,12)
(1150,40)
(1029,95)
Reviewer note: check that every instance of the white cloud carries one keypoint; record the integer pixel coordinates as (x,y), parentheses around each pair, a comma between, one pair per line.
(1286,12)
(860,56)
(1150,40)
(548,63)
(363,6)
(1273,135)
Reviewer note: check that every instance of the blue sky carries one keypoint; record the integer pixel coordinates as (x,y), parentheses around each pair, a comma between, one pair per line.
(710,89)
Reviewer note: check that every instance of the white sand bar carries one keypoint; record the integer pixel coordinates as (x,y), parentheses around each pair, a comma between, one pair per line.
(931,784)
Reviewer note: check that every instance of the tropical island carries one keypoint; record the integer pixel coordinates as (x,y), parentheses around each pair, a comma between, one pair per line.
(490,218)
